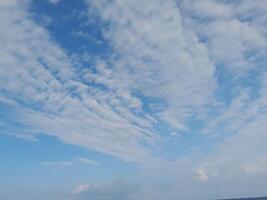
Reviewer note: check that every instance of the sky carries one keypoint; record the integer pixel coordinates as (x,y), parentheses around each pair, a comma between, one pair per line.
(133,100)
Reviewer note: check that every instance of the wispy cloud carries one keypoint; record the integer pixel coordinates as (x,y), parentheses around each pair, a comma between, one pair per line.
(76,161)
(54,1)
(58,101)
(192,67)
(160,54)
(87,161)
(57,164)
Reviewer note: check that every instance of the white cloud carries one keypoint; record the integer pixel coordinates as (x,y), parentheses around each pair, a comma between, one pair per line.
(81,188)
(57,164)
(175,57)
(201,175)
(87,161)
(63,164)
(158,54)
(208,9)
(109,191)
(58,102)
(232,36)
(164,53)
(54,1)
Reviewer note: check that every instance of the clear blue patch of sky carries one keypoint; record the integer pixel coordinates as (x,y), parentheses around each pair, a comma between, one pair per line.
(27,155)
(68,18)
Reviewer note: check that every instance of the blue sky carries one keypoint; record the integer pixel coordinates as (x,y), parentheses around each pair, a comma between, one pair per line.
(130,100)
